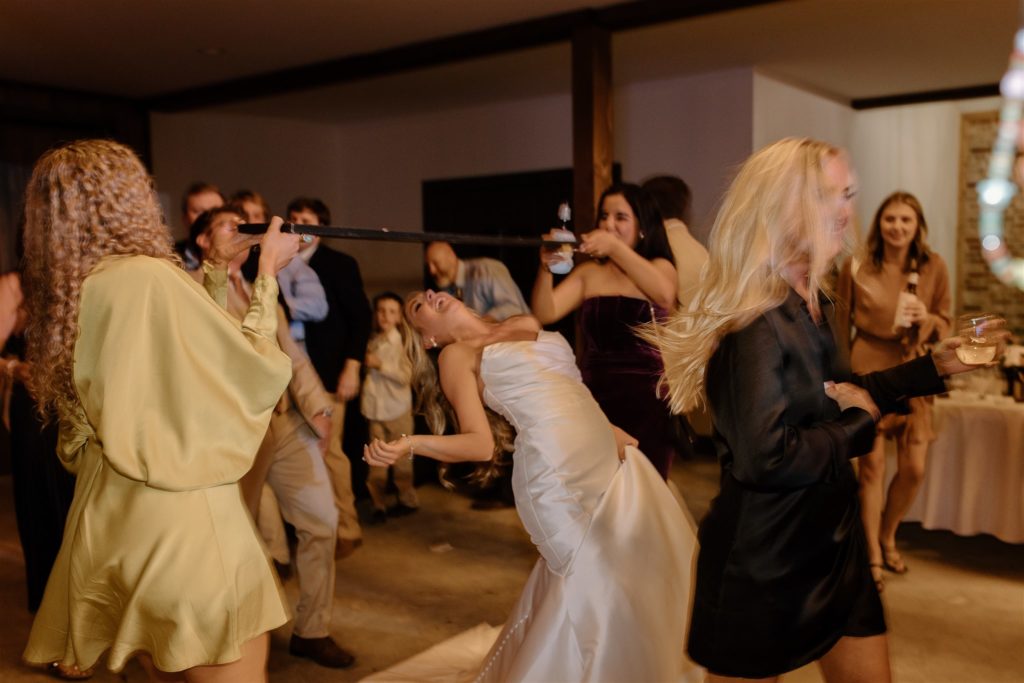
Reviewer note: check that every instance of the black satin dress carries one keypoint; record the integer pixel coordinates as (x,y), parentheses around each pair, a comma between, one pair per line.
(783,570)
(622,373)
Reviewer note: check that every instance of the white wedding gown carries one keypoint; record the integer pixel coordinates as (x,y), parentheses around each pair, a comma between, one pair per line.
(609,599)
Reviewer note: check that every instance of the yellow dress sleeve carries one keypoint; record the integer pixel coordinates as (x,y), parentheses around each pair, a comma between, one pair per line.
(215,282)
(179,395)
(73,435)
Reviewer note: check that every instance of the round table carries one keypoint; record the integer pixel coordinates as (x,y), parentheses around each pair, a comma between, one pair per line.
(974,477)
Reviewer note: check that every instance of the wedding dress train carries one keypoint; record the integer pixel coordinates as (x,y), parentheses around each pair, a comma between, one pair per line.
(609,598)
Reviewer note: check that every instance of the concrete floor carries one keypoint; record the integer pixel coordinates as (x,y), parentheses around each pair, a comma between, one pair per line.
(956,617)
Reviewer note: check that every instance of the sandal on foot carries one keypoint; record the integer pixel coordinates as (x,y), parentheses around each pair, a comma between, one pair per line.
(892,560)
(68,673)
(878,575)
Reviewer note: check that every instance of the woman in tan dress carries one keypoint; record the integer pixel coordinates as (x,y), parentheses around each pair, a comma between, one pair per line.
(162,400)
(869,292)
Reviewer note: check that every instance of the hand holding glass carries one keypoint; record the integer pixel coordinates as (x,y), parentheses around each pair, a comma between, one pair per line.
(981,333)
(559,259)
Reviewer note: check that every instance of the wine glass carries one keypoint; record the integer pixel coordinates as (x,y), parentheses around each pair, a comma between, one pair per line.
(979,332)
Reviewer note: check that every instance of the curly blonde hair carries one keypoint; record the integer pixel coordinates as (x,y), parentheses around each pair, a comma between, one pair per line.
(772,217)
(85,200)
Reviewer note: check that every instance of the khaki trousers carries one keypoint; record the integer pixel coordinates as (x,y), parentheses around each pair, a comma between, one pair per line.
(289,460)
(271,526)
(377,478)
(341,478)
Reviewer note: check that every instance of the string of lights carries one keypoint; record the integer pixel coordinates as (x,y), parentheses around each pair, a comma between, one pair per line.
(997,191)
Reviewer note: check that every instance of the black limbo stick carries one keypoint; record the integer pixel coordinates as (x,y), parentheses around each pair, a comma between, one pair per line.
(388,235)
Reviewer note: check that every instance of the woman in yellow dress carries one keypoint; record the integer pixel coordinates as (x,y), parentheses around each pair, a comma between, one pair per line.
(162,400)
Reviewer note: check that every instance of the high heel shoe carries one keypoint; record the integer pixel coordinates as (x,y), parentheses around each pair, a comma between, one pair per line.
(68,673)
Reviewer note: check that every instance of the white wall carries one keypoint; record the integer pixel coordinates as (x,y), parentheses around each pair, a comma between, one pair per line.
(915,148)
(370,172)
(276,158)
(697,127)
(782,110)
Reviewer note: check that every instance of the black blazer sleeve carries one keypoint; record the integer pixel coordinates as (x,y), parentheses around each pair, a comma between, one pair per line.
(750,395)
(892,387)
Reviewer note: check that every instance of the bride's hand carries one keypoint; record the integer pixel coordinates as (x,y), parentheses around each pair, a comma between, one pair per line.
(386,453)
(623,439)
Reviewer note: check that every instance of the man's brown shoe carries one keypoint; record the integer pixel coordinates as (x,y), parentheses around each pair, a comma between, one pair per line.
(324,651)
(344,547)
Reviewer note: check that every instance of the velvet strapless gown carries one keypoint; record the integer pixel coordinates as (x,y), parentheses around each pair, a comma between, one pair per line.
(622,373)
(609,598)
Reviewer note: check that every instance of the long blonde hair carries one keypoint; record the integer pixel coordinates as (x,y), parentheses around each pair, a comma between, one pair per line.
(773,217)
(85,200)
(440,414)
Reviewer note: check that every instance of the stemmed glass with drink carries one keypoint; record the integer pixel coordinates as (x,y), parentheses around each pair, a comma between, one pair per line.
(981,333)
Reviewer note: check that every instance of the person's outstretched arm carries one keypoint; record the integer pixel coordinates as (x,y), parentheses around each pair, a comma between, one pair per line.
(459,381)
(550,303)
(656,278)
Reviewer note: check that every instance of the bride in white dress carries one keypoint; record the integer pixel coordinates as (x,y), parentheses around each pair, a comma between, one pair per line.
(609,598)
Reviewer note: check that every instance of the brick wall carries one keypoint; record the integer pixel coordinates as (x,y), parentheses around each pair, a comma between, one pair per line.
(978,289)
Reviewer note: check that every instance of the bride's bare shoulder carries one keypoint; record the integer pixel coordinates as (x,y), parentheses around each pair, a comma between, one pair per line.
(460,352)
(521,324)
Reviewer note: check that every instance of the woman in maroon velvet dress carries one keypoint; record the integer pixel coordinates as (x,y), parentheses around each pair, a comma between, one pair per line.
(630,282)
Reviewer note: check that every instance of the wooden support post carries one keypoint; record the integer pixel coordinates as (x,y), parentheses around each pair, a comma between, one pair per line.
(591,120)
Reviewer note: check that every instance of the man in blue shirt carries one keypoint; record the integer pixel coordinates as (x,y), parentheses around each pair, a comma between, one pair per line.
(483,284)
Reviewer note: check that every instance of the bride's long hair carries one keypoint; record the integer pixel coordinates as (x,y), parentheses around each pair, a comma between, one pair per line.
(440,415)
(772,218)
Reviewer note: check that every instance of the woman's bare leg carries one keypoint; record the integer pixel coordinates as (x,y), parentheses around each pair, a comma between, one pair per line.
(851,660)
(251,668)
(903,490)
(857,660)
(872,477)
(157,676)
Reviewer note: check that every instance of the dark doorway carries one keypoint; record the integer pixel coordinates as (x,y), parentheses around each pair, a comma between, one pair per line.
(511,204)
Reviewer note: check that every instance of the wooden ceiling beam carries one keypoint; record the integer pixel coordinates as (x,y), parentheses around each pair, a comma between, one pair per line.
(965,93)
(591,120)
(507,38)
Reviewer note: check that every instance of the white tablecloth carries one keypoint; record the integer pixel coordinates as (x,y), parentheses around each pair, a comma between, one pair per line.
(974,478)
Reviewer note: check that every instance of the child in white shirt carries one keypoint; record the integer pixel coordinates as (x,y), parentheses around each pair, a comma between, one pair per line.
(386,403)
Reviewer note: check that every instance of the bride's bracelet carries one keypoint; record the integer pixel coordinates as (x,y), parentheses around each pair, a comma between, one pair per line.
(10,365)
(411,452)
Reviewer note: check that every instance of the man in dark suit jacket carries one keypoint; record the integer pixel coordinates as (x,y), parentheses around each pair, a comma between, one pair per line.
(337,346)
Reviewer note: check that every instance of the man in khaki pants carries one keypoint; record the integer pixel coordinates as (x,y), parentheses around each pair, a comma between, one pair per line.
(336,345)
(291,460)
